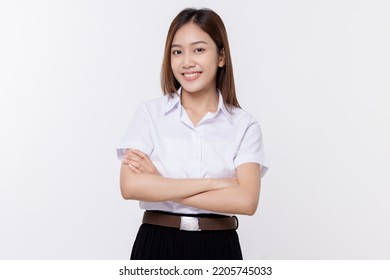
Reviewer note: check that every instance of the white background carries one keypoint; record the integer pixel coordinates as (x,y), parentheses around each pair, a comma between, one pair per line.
(314,73)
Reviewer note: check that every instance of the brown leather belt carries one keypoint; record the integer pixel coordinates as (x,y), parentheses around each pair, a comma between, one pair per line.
(190,223)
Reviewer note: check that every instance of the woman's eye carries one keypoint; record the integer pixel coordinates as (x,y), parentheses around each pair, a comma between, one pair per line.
(176,52)
(199,50)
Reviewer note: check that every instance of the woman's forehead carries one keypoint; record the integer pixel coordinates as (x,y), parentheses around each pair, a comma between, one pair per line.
(189,34)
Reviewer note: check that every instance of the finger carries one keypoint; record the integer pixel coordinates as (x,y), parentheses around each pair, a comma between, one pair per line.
(135,154)
(144,166)
(134,169)
(135,158)
(130,153)
(125,161)
(135,164)
(139,153)
(151,167)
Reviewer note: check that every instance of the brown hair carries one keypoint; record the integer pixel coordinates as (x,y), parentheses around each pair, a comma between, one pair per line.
(212,24)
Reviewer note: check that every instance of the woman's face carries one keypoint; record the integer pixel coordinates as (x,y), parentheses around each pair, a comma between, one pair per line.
(195,59)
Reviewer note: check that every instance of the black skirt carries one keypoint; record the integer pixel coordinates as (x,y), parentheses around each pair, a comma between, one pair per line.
(165,243)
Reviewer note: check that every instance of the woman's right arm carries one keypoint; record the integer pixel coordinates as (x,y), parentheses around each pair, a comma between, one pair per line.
(152,187)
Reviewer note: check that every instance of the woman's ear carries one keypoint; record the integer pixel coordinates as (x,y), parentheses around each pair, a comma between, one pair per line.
(221,61)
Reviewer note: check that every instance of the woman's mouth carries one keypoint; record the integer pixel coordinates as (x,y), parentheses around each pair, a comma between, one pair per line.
(190,76)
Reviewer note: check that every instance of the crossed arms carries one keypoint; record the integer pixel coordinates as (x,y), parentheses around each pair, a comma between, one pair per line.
(140,180)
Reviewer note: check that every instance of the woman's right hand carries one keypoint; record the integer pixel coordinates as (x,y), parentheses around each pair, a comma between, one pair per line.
(139,162)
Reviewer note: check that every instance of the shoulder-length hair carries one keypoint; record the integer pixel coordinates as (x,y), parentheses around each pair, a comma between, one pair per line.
(212,24)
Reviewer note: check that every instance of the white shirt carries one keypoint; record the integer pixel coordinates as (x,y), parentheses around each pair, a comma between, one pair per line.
(214,148)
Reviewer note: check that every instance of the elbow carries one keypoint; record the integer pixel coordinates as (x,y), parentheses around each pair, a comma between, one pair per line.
(245,211)
(250,202)
(126,193)
(128,190)
(249,210)
(250,207)
(133,189)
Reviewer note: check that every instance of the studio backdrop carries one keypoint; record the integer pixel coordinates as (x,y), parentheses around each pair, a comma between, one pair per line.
(314,73)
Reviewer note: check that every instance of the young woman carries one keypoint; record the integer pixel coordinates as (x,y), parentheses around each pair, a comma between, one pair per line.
(193,157)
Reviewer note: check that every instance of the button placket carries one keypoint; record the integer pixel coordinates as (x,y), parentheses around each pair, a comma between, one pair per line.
(200,151)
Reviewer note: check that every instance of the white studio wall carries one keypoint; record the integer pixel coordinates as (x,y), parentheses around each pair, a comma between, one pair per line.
(314,73)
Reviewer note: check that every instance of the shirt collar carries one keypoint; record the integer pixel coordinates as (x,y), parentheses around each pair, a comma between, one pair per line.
(173,102)
(222,107)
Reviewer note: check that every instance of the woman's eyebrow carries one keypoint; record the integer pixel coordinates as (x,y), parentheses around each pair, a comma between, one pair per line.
(193,43)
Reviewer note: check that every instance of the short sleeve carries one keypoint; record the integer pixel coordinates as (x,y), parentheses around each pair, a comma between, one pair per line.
(251,148)
(137,135)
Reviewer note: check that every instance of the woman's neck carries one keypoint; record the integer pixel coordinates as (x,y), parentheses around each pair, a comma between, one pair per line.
(200,102)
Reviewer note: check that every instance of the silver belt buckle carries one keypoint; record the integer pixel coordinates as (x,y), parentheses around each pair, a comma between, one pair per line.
(189,223)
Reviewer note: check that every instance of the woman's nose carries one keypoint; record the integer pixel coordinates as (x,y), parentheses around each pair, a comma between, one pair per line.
(188,61)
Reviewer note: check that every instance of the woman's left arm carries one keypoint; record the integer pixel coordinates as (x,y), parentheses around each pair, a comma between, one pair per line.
(237,200)
(242,199)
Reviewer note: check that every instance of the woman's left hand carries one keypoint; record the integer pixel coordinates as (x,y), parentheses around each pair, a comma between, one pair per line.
(139,162)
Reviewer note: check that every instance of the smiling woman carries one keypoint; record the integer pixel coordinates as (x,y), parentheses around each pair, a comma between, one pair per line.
(193,157)
(210,26)
(195,61)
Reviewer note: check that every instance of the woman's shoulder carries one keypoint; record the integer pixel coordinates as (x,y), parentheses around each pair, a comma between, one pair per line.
(155,101)
(241,116)
(156,104)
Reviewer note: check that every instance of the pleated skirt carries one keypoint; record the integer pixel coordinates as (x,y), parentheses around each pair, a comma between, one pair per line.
(165,243)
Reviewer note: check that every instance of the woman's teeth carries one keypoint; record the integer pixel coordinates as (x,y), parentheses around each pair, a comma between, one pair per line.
(191,75)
